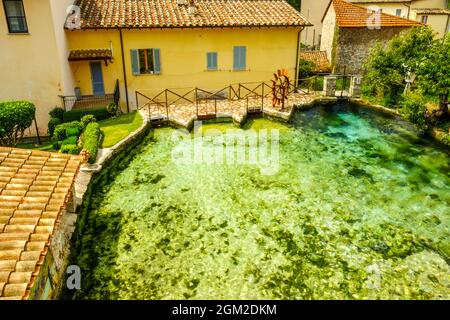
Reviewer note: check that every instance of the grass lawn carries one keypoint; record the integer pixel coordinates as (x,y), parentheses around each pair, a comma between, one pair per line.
(116,129)
(45,146)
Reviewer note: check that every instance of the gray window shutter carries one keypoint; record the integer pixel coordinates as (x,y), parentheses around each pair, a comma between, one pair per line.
(236,58)
(243,58)
(239,58)
(157,60)
(215,60)
(211,60)
(135,62)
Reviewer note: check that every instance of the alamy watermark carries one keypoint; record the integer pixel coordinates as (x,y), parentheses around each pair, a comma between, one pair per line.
(73,281)
(73,20)
(374,20)
(234,147)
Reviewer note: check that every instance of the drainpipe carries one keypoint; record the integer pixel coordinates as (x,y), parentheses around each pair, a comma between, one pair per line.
(409,9)
(124,71)
(297,58)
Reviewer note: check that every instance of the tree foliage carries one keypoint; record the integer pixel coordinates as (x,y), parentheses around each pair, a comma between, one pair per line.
(387,66)
(15,118)
(413,107)
(434,70)
(305,68)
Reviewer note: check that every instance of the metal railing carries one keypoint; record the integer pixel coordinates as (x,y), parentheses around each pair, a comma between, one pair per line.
(162,100)
(88,102)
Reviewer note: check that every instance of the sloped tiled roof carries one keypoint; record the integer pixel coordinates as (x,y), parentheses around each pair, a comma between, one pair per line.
(432,11)
(90,54)
(97,14)
(349,15)
(319,58)
(34,188)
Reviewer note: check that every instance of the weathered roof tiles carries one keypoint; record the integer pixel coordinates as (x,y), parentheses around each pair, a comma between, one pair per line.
(34,188)
(319,58)
(349,15)
(96,14)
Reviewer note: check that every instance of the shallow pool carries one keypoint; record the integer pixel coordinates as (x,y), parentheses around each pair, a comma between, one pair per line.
(355,205)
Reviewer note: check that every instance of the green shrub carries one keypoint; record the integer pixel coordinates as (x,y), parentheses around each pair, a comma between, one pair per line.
(112,109)
(62,130)
(70,149)
(75,131)
(86,119)
(57,113)
(52,125)
(15,118)
(91,137)
(56,145)
(76,115)
(305,69)
(413,107)
(70,140)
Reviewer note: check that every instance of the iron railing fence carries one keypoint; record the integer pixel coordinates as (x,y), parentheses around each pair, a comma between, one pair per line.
(89,102)
(160,101)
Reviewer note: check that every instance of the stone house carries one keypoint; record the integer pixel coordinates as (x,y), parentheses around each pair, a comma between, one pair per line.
(435,13)
(350,31)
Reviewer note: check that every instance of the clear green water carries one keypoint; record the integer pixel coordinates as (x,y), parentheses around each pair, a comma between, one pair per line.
(360,208)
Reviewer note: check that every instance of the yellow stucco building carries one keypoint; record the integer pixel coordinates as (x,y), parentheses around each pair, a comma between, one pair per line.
(148,45)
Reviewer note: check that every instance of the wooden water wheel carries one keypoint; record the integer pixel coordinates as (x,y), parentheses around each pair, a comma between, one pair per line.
(280,88)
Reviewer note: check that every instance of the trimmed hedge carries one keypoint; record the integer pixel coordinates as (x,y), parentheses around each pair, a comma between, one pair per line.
(57,113)
(70,140)
(52,125)
(76,115)
(85,120)
(15,118)
(67,129)
(91,136)
(70,148)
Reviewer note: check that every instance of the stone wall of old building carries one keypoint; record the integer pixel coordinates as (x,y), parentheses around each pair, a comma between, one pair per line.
(353,46)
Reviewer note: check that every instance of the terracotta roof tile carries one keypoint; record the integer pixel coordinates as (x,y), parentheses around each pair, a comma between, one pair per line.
(34,187)
(349,15)
(319,58)
(97,14)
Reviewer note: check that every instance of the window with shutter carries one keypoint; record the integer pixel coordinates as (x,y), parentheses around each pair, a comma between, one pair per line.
(211,61)
(146,61)
(239,58)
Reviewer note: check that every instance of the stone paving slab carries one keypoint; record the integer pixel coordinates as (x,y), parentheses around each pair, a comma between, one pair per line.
(183,115)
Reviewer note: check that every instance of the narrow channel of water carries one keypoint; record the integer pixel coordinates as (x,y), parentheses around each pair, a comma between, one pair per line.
(356,206)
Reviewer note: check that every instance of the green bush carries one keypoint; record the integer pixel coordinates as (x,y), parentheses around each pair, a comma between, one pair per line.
(413,107)
(112,109)
(15,118)
(52,125)
(56,145)
(76,114)
(75,131)
(91,137)
(70,140)
(85,120)
(57,113)
(62,130)
(305,69)
(70,149)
